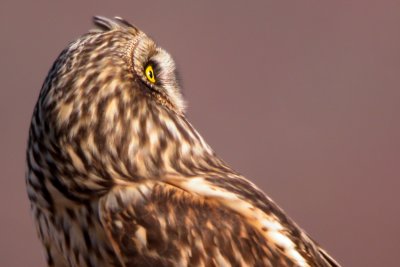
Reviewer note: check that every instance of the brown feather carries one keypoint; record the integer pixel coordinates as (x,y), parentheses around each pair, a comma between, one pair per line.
(117,176)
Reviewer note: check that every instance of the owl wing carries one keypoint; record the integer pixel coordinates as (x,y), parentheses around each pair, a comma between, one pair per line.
(203,221)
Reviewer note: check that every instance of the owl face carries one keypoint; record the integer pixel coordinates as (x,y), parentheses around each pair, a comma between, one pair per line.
(156,69)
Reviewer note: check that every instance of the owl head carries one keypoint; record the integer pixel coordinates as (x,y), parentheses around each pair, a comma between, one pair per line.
(111,109)
(153,67)
(116,60)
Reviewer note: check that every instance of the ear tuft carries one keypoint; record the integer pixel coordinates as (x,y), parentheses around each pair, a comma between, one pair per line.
(106,24)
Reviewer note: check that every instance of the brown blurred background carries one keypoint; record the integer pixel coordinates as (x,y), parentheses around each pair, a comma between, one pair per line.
(301,97)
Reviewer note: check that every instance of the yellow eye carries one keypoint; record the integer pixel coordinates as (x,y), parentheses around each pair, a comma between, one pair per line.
(150,74)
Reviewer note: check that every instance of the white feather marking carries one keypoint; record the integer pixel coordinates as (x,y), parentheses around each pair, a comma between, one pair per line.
(185,148)
(141,236)
(295,255)
(74,45)
(172,128)
(272,225)
(118,223)
(200,186)
(281,240)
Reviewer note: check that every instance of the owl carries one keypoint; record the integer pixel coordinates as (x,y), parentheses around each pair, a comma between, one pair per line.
(117,176)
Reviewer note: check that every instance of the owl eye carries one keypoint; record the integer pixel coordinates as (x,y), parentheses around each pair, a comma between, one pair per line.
(150,74)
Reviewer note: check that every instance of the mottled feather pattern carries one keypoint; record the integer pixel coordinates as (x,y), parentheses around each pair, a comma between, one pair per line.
(174,228)
(117,176)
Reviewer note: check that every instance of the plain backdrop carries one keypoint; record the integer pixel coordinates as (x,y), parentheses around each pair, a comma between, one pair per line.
(302,97)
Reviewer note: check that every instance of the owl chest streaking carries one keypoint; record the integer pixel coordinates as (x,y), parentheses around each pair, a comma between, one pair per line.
(118,177)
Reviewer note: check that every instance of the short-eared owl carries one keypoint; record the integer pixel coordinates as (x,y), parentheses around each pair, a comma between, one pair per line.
(117,176)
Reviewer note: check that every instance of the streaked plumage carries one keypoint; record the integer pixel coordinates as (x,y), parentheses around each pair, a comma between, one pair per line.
(118,177)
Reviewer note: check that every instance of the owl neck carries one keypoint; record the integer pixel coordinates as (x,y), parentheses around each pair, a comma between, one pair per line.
(157,142)
(147,141)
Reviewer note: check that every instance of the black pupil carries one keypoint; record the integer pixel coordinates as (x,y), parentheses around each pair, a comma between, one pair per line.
(150,74)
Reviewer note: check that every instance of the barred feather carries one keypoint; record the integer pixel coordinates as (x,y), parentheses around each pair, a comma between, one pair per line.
(117,176)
